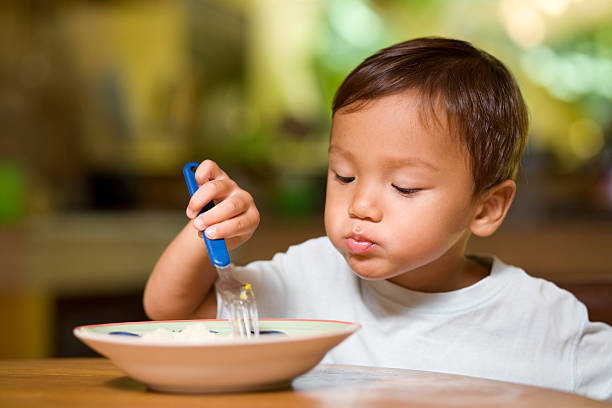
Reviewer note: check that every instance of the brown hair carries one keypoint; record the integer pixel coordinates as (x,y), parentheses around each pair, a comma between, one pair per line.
(480,97)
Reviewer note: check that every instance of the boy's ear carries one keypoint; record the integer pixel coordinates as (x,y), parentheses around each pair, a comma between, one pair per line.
(492,207)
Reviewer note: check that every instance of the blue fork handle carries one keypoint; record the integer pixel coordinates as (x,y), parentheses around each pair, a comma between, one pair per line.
(217,249)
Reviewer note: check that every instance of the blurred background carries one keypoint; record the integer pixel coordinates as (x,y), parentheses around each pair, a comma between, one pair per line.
(102,102)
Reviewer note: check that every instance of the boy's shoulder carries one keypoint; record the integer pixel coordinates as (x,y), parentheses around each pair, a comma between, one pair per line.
(538,295)
(322,242)
(315,254)
(319,248)
(534,284)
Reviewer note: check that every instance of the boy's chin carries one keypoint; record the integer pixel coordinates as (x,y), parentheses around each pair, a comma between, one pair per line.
(368,269)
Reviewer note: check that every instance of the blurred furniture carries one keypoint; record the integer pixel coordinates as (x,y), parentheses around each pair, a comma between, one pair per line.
(97,382)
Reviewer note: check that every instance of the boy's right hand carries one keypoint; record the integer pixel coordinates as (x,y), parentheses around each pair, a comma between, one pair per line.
(234,216)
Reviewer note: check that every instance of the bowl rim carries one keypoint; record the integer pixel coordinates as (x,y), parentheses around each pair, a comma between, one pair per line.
(82,333)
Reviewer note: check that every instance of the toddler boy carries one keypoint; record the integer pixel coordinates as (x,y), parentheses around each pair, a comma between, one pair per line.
(425,143)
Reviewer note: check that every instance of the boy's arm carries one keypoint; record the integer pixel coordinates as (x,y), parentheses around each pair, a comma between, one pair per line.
(180,280)
(181,284)
(593,359)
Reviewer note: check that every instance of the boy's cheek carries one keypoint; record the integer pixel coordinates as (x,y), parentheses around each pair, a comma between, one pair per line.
(331,218)
(334,207)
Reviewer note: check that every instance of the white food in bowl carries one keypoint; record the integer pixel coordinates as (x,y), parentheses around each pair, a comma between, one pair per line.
(193,333)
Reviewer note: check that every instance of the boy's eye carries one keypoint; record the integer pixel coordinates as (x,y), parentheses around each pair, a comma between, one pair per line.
(343,179)
(406,191)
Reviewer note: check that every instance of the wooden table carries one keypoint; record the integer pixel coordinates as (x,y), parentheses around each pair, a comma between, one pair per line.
(96,382)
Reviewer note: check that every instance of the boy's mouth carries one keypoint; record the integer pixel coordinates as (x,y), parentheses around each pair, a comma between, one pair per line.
(358,245)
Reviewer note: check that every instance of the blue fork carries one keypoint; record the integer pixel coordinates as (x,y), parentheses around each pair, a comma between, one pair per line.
(238,297)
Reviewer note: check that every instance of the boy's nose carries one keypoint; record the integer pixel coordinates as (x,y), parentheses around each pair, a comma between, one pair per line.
(365,206)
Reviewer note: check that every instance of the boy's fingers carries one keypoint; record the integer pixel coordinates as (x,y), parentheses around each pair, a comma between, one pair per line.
(234,216)
(243,225)
(212,190)
(229,208)
(208,170)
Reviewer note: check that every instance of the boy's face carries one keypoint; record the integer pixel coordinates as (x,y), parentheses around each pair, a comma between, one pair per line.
(399,194)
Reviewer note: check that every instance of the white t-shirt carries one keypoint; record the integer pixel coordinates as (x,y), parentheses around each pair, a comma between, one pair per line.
(508,326)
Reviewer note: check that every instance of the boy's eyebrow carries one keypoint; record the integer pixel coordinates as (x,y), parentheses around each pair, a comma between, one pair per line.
(392,161)
(412,162)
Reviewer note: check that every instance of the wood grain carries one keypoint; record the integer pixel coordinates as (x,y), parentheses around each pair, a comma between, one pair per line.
(95,382)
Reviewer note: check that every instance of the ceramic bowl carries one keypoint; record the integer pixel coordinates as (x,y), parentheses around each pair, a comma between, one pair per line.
(285,350)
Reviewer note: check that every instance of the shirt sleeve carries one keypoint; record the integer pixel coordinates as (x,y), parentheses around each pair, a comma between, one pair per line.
(594,361)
